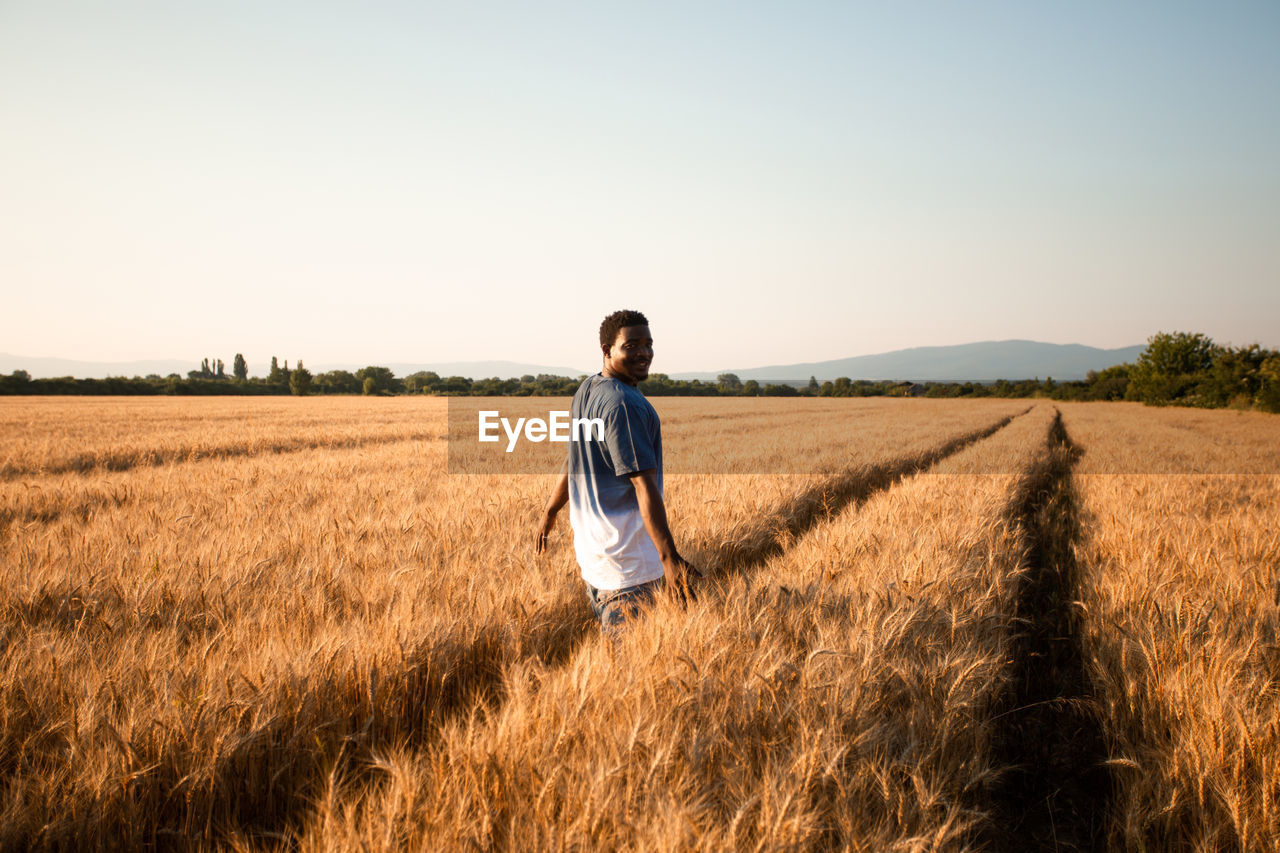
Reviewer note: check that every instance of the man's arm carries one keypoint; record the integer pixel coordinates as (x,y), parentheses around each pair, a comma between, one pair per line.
(654,512)
(559,497)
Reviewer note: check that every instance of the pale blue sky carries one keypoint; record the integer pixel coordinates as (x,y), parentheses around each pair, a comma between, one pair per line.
(771,183)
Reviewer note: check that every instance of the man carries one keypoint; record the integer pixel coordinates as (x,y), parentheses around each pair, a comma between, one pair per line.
(614,486)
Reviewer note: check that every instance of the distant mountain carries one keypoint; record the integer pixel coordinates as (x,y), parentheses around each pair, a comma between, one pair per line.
(470,369)
(983,361)
(987,360)
(41,368)
(44,368)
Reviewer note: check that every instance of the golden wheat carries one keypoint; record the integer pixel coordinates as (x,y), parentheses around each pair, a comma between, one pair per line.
(246,622)
(1182,562)
(839,695)
(192,645)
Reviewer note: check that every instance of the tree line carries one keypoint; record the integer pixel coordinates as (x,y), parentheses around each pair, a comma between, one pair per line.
(1175,368)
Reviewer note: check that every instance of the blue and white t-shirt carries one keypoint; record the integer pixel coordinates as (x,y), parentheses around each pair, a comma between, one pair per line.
(614,550)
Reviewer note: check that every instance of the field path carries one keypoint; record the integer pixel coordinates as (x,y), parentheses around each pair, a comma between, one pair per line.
(1180,566)
(96,462)
(1056,793)
(769,536)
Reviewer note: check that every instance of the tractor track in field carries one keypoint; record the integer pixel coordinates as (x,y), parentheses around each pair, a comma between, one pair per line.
(1057,791)
(96,463)
(770,536)
(268,780)
(41,505)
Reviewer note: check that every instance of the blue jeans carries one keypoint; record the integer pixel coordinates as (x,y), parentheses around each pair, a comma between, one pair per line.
(615,607)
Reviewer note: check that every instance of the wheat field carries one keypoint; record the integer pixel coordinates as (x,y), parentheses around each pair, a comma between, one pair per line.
(264,624)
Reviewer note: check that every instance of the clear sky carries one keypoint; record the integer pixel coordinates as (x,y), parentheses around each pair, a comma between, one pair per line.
(423,181)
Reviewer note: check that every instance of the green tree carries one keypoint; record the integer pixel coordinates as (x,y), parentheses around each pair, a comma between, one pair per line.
(370,386)
(1268,398)
(278,375)
(1171,367)
(384,381)
(424,381)
(1108,384)
(18,382)
(494,387)
(657,385)
(454,385)
(337,382)
(935,389)
(813,387)
(751,388)
(300,380)
(205,371)
(1236,376)
(240,368)
(729,383)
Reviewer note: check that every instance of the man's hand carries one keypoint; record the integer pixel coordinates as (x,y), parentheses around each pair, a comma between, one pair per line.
(559,497)
(653,511)
(680,575)
(543,529)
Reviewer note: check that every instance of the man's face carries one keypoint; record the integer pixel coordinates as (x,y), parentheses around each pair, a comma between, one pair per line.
(629,357)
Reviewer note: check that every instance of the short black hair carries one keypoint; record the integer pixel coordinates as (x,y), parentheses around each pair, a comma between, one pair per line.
(618,321)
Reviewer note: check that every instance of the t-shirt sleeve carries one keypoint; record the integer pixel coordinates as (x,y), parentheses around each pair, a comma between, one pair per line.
(626,436)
